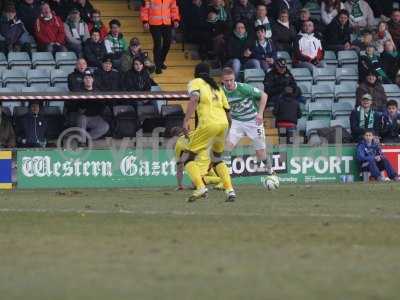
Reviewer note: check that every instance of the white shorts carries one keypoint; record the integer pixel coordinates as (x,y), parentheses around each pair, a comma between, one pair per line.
(250,129)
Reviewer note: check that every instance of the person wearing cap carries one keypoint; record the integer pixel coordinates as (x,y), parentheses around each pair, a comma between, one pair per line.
(135,51)
(264,49)
(364,117)
(76,32)
(7,134)
(106,78)
(373,87)
(33,127)
(97,24)
(158,16)
(94,50)
(361,14)
(75,79)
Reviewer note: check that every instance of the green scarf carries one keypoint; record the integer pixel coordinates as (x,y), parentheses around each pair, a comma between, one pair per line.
(393,54)
(356,11)
(97,25)
(222,15)
(242,38)
(366,118)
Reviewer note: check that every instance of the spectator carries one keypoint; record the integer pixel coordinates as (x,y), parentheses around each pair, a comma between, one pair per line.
(292,6)
(13,30)
(75,79)
(262,19)
(244,11)
(28,11)
(76,32)
(264,50)
(34,127)
(223,13)
(238,50)
(85,9)
(369,61)
(366,40)
(277,79)
(7,135)
(308,51)
(138,78)
(338,34)
(363,117)
(305,16)
(49,31)
(107,79)
(370,156)
(373,87)
(287,111)
(361,15)
(394,27)
(158,16)
(115,43)
(382,36)
(61,8)
(135,51)
(283,33)
(330,10)
(397,79)
(97,24)
(390,124)
(382,8)
(390,60)
(94,50)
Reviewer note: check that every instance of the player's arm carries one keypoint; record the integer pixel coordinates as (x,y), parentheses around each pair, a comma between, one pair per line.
(191,108)
(261,108)
(179,175)
(228,116)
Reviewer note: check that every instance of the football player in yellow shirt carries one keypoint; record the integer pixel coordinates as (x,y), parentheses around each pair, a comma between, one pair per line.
(211,106)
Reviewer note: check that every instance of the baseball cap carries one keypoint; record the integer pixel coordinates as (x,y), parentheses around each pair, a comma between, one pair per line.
(366,97)
(134,42)
(281,62)
(107,58)
(88,73)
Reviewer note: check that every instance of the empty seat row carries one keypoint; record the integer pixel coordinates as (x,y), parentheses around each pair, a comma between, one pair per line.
(326,111)
(38,77)
(22,60)
(343,58)
(328,91)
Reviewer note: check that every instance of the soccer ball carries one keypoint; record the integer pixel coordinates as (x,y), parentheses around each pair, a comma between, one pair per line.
(271,182)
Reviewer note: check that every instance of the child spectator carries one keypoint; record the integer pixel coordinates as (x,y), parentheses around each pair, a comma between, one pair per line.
(330,9)
(107,79)
(361,15)
(394,27)
(369,61)
(390,60)
(264,50)
(338,33)
(115,43)
(373,87)
(363,117)
(244,11)
(390,124)
(85,9)
(7,135)
(76,32)
(94,50)
(135,51)
(49,31)
(262,20)
(33,127)
(371,157)
(283,33)
(382,36)
(28,11)
(75,79)
(366,40)
(96,24)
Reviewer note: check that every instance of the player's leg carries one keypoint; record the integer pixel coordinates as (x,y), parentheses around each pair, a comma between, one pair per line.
(235,133)
(257,134)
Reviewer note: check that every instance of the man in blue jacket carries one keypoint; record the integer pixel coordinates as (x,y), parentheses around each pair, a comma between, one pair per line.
(264,50)
(371,157)
(34,127)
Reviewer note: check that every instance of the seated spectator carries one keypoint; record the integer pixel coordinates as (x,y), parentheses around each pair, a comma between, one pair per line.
(305,16)
(7,135)
(366,40)
(283,33)
(370,156)
(49,31)
(394,27)
(361,15)
(135,51)
(369,61)
(115,43)
(61,8)
(390,61)
(33,127)
(390,124)
(96,24)
(14,32)
(262,19)
(138,78)
(382,8)
(287,111)
(338,33)
(94,50)
(238,50)
(373,87)
(76,32)
(75,79)
(85,9)
(382,36)
(223,13)
(264,50)
(363,117)
(330,10)
(292,6)
(308,51)
(28,11)
(244,11)
(107,79)
(277,79)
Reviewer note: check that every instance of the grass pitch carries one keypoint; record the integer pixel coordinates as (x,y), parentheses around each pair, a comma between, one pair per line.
(301,242)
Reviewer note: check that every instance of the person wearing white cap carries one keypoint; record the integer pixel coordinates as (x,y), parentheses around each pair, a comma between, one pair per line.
(363,117)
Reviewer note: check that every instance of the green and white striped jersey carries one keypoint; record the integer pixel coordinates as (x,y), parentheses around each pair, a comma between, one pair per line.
(243,101)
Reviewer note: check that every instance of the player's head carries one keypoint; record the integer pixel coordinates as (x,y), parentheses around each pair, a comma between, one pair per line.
(228,79)
(176,131)
(202,70)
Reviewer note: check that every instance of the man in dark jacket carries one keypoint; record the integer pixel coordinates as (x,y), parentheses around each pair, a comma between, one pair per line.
(338,33)
(390,124)
(107,79)
(364,117)
(75,79)
(394,27)
(373,87)
(283,33)
(94,50)
(34,127)
(390,60)
(28,11)
(244,11)
(264,50)
(85,9)
(7,135)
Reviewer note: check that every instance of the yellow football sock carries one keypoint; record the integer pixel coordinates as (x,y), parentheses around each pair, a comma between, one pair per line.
(223,172)
(212,179)
(193,171)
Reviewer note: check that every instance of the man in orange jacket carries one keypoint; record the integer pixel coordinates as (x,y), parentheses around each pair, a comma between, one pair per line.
(159,16)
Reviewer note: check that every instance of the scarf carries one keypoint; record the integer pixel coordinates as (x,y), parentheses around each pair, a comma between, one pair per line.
(285,24)
(393,54)
(356,12)
(117,43)
(222,15)
(366,118)
(77,29)
(97,25)
(241,37)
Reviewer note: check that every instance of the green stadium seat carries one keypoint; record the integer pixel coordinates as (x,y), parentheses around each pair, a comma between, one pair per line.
(254,75)
(32,89)
(58,78)
(301,74)
(324,74)
(14,77)
(38,77)
(3,61)
(43,60)
(19,60)
(305,88)
(65,59)
(346,74)
(330,58)
(320,110)
(347,57)
(312,126)
(323,91)
(341,110)
(286,56)
(344,122)
(391,90)
(345,90)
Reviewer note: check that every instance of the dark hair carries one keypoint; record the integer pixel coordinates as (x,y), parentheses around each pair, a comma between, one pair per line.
(96,11)
(95,30)
(227,71)
(283,11)
(114,22)
(391,103)
(344,12)
(395,10)
(369,130)
(202,70)
(260,28)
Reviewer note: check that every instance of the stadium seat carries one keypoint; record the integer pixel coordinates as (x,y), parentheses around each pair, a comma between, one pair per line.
(19,60)
(8,90)
(391,90)
(6,110)
(324,74)
(43,60)
(160,103)
(19,110)
(320,111)
(345,90)
(346,74)
(58,78)
(305,88)
(301,74)
(3,61)
(344,122)
(286,56)
(67,68)
(14,78)
(55,120)
(254,75)
(10,106)
(330,58)
(312,126)
(341,110)
(32,89)
(347,57)
(39,77)
(258,85)
(56,89)
(65,59)
(301,124)
(323,91)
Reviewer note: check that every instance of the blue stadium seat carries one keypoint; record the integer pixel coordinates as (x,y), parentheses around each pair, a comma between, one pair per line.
(330,58)
(39,77)
(301,74)
(341,110)
(65,59)
(324,74)
(345,90)
(58,78)
(254,75)
(301,124)
(258,85)
(312,126)
(344,122)
(323,91)
(305,88)
(43,60)
(19,60)
(347,57)
(391,90)
(347,74)
(286,56)
(10,105)
(3,61)
(32,89)
(57,89)
(320,110)
(14,77)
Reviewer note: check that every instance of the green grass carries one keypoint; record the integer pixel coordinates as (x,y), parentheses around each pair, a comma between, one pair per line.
(302,242)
